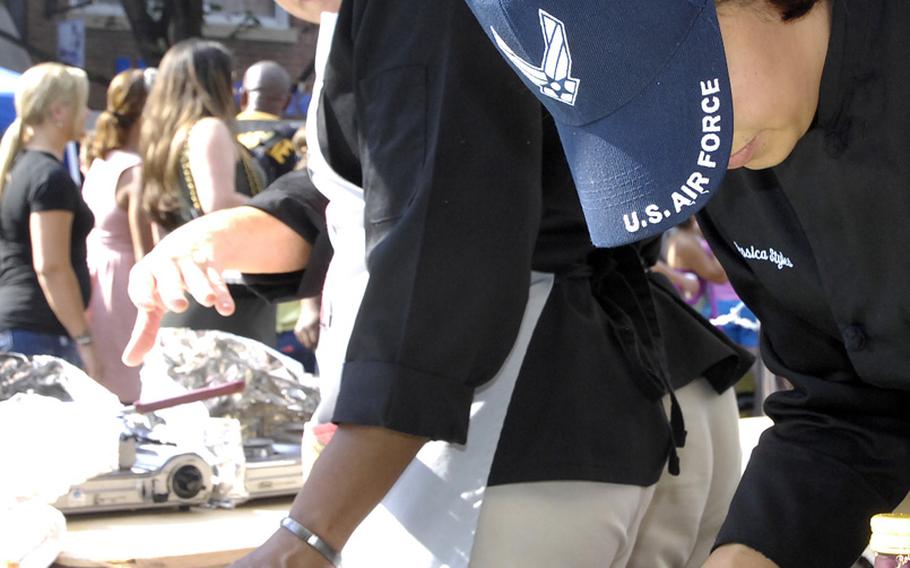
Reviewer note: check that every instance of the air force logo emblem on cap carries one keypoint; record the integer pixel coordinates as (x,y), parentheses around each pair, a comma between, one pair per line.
(554,75)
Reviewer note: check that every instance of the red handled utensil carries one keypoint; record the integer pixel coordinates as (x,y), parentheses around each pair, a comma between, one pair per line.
(192,396)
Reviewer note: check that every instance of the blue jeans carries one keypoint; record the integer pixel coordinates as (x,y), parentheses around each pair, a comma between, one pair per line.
(37,343)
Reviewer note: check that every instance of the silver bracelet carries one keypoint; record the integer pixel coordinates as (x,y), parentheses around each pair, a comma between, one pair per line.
(312,539)
(84,339)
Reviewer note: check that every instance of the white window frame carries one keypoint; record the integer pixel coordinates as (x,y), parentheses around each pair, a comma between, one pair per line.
(279,21)
(216,24)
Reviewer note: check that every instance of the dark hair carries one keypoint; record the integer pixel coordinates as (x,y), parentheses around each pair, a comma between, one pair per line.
(788,9)
(193,82)
(125,99)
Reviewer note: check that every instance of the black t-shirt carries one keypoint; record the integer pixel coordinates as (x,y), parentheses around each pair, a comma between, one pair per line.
(817,247)
(37,182)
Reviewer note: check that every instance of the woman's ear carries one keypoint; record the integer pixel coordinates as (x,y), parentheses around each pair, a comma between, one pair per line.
(59,114)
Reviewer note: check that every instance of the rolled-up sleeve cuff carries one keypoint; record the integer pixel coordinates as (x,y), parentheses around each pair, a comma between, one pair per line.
(404,400)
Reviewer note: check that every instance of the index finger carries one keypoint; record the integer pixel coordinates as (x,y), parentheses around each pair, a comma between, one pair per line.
(142,340)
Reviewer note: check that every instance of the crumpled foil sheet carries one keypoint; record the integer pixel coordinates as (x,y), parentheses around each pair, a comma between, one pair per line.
(280,396)
(19,374)
(52,377)
(60,428)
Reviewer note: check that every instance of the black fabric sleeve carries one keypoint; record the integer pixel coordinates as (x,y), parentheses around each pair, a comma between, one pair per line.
(55,191)
(450,151)
(839,449)
(838,453)
(295,201)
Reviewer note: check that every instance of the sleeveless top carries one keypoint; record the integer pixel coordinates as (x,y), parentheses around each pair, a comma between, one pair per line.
(112,228)
(253,317)
(248,180)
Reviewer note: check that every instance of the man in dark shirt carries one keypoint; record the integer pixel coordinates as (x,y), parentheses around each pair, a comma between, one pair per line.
(811,230)
(265,94)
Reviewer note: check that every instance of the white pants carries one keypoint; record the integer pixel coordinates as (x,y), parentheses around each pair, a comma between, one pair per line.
(581,524)
(569,524)
(686,511)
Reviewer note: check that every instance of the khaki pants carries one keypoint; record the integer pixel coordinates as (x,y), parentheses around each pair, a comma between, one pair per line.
(575,524)
(687,511)
(565,524)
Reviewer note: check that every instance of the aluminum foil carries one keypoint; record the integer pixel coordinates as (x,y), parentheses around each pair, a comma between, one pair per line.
(279,396)
(52,377)
(67,428)
(20,375)
(278,399)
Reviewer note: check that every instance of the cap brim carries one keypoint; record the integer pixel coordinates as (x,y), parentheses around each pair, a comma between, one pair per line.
(657,160)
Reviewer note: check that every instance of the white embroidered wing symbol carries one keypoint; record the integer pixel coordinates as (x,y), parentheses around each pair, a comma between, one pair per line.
(554,75)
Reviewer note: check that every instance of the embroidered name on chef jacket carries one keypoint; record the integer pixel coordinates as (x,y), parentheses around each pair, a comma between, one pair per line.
(770,255)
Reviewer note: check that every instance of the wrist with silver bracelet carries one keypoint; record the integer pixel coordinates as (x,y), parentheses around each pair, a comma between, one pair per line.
(83,339)
(313,540)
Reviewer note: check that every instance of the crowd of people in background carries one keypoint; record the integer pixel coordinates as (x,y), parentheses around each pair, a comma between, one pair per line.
(168,147)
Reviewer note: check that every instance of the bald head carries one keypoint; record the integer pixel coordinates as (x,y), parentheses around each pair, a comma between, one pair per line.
(266,87)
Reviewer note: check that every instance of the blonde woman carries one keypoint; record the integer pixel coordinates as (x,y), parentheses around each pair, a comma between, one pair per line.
(192,165)
(44,278)
(122,232)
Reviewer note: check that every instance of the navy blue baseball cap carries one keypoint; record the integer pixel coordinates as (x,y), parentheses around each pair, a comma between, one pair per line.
(640,94)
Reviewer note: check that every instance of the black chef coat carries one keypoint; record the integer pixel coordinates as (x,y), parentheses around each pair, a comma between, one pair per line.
(817,247)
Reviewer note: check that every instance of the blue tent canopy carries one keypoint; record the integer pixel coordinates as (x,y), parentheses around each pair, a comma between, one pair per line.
(8,80)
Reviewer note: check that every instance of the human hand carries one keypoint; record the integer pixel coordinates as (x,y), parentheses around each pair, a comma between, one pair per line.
(182,262)
(307,327)
(283,550)
(737,556)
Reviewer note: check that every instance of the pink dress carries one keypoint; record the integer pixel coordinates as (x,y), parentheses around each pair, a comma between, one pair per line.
(110,257)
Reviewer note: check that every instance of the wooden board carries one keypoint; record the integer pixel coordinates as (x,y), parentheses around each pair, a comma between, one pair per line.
(197,538)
